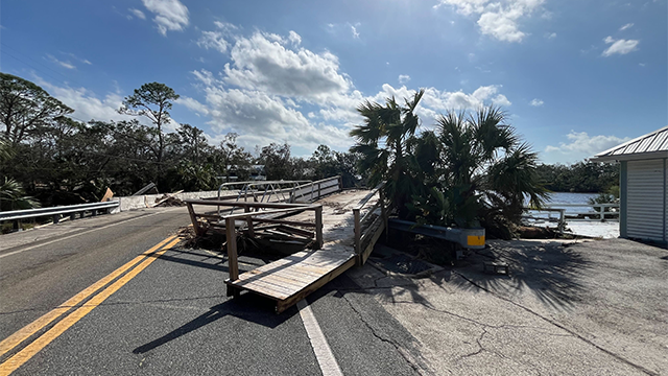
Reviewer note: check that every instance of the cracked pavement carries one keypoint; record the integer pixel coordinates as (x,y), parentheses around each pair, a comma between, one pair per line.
(564,310)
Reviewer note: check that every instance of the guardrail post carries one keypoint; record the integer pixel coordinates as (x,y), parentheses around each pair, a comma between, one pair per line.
(358,230)
(340,183)
(56,218)
(73,216)
(601,211)
(319,190)
(318,227)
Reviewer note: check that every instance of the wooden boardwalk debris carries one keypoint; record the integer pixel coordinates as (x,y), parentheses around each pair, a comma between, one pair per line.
(341,228)
(292,278)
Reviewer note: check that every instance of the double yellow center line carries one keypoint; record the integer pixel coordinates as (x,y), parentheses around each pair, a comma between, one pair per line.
(9,343)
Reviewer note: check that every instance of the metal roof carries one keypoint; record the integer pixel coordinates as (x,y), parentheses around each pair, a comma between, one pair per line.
(649,146)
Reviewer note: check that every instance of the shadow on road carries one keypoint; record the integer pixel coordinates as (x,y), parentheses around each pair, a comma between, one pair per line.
(247,307)
(551,271)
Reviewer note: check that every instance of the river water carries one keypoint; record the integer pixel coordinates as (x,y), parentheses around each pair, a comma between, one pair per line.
(570,198)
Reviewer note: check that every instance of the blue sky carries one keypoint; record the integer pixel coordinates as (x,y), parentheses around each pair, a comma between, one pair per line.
(576,77)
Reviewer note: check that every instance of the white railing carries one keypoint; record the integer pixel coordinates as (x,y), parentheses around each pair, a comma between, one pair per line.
(594,212)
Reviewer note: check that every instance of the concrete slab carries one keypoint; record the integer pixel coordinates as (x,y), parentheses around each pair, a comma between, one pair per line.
(596,307)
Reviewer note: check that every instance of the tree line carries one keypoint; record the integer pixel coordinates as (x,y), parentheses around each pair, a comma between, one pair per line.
(49,158)
(472,170)
(584,177)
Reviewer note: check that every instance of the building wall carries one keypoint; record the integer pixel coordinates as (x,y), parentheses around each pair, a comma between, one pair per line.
(643,184)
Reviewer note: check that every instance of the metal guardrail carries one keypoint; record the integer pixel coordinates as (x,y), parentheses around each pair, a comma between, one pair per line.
(57,211)
(470,238)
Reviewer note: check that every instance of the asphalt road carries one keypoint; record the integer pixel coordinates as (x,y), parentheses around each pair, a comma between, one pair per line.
(174,317)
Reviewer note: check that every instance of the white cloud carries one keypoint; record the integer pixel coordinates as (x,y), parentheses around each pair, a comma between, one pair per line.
(170,15)
(64,64)
(499,19)
(580,145)
(265,62)
(214,40)
(627,26)
(403,78)
(275,90)
(193,105)
(620,46)
(218,39)
(501,100)
(536,102)
(85,61)
(353,29)
(86,104)
(550,35)
(137,13)
(294,38)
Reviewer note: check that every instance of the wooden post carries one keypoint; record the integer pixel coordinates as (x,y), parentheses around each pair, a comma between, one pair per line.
(231,234)
(383,211)
(601,211)
(319,190)
(340,183)
(56,218)
(73,216)
(358,230)
(193,219)
(318,227)
(232,263)
(249,222)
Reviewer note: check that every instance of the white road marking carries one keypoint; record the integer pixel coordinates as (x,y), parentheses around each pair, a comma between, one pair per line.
(323,353)
(81,233)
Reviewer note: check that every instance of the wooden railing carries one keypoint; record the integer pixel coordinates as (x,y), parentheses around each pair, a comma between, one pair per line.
(366,234)
(275,215)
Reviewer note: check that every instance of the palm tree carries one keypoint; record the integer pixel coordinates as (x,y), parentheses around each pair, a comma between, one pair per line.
(384,142)
(486,172)
(12,195)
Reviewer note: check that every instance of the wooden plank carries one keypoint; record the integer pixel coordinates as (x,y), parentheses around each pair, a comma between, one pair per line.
(318,227)
(284,222)
(263,288)
(367,252)
(301,278)
(284,304)
(297,231)
(357,230)
(241,204)
(261,293)
(193,219)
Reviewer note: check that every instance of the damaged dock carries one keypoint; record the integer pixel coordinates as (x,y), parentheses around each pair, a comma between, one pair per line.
(340,229)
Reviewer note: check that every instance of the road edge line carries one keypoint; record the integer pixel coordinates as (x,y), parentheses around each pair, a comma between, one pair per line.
(323,353)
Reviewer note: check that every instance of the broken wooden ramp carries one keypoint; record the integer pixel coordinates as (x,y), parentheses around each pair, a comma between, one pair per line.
(292,278)
(342,228)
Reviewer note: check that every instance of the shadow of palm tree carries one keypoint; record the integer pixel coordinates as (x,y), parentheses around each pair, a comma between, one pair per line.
(551,271)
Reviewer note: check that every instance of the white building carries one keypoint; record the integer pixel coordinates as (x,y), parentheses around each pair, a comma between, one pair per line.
(643,179)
